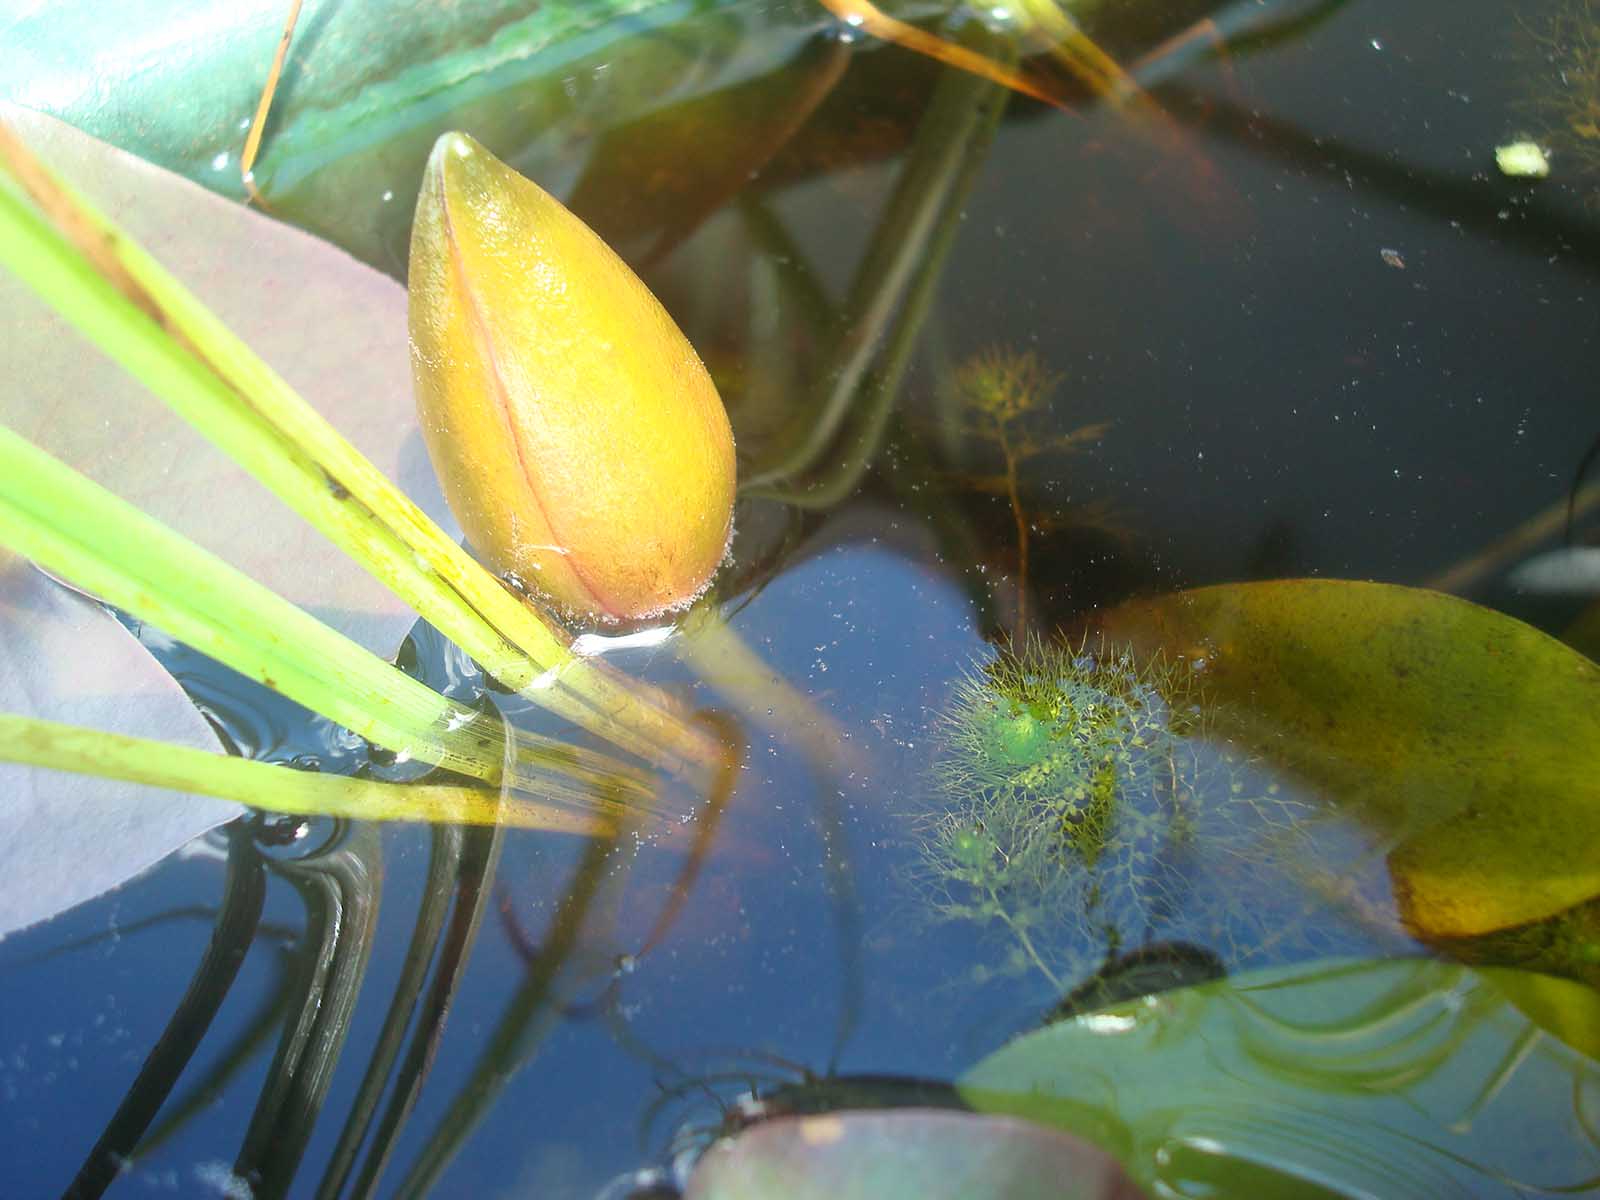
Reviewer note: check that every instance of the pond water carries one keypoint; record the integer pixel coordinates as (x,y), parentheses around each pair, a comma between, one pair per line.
(1293,324)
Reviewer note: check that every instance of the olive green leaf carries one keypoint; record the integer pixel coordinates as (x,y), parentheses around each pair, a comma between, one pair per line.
(1466,741)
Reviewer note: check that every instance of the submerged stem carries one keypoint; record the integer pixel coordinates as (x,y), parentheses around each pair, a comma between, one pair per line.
(898,276)
(1021,934)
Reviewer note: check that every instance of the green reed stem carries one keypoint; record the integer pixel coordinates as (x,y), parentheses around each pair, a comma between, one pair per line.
(284,789)
(149,323)
(98,542)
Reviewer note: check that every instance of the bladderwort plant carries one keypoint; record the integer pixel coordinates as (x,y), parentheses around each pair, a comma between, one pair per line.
(1082,809)
(1003,399)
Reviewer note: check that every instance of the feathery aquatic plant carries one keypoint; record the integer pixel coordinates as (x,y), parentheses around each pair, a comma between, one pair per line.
(1002,398)
(1082,810)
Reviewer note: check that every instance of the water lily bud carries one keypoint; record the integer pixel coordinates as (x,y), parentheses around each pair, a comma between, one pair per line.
(578,437)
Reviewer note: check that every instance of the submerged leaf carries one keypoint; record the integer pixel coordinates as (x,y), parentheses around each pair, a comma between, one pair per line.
(1409,1079)
(580,441)
(65,839)
(1565,945)
(1466,740)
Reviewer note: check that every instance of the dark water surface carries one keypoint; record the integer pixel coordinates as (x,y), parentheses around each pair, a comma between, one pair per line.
(1323,336)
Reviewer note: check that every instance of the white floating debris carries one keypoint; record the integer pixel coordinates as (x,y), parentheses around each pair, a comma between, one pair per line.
(1522,160)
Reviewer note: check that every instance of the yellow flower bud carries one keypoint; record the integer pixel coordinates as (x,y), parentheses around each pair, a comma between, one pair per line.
(578,437)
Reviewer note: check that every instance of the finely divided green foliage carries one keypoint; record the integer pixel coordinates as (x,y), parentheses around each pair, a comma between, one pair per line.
(1081,810)
(1002,397)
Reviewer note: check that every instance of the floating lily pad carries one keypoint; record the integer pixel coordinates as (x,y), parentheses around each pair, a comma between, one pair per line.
(913,1153)
(1467,741)
(66,838)
(1407,1079)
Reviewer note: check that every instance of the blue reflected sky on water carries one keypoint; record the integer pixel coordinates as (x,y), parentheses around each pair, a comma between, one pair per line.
(753,963)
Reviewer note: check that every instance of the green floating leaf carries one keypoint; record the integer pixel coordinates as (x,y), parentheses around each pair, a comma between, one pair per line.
(906,1154)
(1408,1079)
(1468,741)
(65,839)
